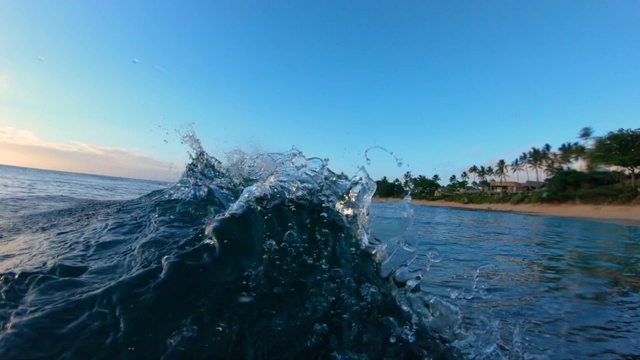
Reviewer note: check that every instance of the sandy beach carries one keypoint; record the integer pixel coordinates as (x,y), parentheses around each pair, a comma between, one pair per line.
(619,214)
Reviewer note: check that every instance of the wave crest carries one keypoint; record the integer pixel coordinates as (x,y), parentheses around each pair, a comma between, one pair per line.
(260,256)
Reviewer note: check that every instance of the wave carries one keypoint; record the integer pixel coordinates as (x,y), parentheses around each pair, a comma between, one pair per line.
(265,256)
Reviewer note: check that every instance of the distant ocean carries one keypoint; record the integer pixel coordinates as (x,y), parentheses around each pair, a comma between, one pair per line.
(274,256)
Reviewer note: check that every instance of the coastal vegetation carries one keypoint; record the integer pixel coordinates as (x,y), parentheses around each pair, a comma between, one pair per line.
(595,170)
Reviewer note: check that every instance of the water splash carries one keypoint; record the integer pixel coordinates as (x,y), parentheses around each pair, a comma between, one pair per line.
(259,255)
(397,159)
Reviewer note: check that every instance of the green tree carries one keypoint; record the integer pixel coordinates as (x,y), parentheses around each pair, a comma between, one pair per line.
(473,170)
(386,189)
(620,148)
(436,178)
(482,174)
(502,170)
(489,172)
(516,167)
(453,180)
(408,181)
(585,134)
(579,152)
(524,159)
(535,160)
(566,153)
(551,165)
(400,190)
(423,186)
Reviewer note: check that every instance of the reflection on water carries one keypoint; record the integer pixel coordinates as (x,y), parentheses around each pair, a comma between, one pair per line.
(540,286)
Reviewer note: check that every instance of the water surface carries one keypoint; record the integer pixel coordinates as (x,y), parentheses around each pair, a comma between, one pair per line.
(281,258)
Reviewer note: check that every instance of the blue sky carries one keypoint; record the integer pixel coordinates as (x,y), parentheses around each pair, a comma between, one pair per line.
(443,84)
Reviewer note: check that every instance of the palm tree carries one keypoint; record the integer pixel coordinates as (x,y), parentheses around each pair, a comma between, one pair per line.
(408,181)
(547,153)
(436,178)
(535,159)
(453,180)
(586,133)
(551,167)
(565,153)
(464,182)
(516,167)
(579,152)
(490,172)
(473,170)
(549,160)
(502,170)
(524,159)
(482,172)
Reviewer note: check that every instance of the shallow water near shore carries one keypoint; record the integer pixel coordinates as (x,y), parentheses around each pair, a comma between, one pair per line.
(212,268)
(555,287)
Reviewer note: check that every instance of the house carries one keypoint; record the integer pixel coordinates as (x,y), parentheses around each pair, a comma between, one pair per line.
(514,187)
(505,186)
(532,185)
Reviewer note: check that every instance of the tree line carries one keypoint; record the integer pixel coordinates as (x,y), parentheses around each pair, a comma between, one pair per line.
(617,154)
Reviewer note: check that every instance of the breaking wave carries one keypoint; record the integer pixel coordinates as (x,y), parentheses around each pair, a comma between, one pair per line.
(264,256)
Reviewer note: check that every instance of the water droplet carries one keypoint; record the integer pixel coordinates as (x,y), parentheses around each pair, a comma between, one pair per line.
(270,245)
(434,255)
(290,237)
(392,339)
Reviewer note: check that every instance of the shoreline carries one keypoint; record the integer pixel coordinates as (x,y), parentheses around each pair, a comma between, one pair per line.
(616,214)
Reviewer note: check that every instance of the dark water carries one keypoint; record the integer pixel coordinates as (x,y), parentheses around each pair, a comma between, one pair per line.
(274,256)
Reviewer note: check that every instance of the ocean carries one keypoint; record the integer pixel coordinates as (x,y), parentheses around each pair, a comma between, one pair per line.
(274,256)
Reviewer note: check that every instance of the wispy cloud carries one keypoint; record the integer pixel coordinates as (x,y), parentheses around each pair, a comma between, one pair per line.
(15,136)
(23,148)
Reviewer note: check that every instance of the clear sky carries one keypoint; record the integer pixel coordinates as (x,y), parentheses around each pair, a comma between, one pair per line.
(102,86)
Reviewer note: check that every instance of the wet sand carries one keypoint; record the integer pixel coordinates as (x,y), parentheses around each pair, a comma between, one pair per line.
(618,214)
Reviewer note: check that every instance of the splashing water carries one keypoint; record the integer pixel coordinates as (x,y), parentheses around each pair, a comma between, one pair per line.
(380,148)
(259,256)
